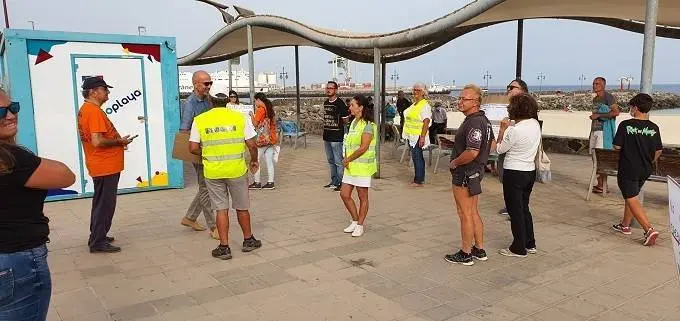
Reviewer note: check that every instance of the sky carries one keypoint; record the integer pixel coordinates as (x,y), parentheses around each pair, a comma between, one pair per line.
(559,49)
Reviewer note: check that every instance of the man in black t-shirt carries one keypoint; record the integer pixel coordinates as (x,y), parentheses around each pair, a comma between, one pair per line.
(335,113)
(639,143)
(471,152)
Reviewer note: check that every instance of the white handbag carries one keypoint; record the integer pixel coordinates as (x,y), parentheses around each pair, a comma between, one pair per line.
(543,173)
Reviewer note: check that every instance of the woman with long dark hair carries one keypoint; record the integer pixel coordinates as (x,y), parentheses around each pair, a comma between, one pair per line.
(265,124)
(520,143)
(359,162)
(233,98)
(25,282)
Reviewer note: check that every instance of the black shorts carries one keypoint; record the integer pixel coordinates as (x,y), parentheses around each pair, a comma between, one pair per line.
(458,177)
(629,188)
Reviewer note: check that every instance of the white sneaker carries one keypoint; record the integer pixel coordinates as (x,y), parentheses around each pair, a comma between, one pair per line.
(507,252)
(358,231)
(532,250)
(351,227)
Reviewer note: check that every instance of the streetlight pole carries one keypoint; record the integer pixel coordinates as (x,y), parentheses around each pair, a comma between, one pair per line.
(283,75)
(4,7)
(32,24)
(487,77)
(395,77)
(141,30)
(581,79)
(540,78)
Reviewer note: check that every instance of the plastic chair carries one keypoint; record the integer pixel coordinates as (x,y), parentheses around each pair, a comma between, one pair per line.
(444,146)
(290,129)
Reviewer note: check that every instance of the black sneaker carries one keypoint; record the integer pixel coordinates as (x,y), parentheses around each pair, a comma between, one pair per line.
(460,257)
(108,248)
(255,186)
(337,189)
(503,211)
(478,254)
(251,244)
(222,252)
(269,185)
(329,185)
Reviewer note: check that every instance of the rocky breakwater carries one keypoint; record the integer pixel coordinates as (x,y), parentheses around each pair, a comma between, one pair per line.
(583,100)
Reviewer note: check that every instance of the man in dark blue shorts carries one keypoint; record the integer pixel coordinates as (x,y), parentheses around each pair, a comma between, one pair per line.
(639,143)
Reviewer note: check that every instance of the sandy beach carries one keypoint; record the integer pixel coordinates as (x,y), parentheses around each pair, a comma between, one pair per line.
(577,124)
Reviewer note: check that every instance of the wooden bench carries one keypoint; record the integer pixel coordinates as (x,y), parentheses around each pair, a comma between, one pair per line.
(606,162)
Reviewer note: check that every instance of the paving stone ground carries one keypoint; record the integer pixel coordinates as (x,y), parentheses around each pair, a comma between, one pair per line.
(308,269)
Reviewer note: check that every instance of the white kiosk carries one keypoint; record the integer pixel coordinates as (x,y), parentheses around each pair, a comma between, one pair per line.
(44,71)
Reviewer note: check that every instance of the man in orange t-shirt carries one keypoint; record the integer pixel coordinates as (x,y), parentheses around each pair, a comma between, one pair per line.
(103,149)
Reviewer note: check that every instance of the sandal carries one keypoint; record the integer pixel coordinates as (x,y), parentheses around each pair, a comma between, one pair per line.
(597,190)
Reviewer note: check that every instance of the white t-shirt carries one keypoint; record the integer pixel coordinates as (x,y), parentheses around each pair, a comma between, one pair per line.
(196,137)
(425,113)
(520,145)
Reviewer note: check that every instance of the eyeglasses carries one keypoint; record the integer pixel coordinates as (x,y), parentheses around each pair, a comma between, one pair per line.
(233,96)
(467,99)
(512,87)
(208,83)
(13,107)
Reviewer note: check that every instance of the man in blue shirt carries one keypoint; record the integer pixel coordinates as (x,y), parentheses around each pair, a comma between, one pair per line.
(197,103)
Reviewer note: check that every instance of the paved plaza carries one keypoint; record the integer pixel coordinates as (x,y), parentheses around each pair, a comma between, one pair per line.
(308,269)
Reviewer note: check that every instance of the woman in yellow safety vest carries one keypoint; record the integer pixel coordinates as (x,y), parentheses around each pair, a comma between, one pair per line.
(414,129)
(359,162)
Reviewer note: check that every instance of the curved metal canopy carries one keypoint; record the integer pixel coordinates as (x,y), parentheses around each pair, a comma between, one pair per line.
(273,31)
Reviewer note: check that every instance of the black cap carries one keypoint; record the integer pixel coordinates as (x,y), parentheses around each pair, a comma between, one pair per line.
(94,82)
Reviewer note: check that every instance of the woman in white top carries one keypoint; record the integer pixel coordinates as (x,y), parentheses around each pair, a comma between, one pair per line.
(519,143)
(414,129)
(233,99)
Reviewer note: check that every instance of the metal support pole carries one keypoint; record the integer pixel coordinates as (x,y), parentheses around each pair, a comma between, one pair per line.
(229,71)
(297,86)
(251,65)
(377,102)
(520,44)
(651,14)
(4,7)
(382,99)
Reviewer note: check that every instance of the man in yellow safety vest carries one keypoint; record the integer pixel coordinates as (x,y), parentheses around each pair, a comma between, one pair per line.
(220,136)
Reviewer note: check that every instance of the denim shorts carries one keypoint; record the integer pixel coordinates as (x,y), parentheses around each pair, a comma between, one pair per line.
(25,285)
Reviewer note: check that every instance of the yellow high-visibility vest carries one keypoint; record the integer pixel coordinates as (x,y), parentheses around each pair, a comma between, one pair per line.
(222,134)
(365,165)
(413,125)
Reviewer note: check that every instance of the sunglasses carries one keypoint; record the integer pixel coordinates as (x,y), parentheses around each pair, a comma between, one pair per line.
(233,96)
(13,107)
(512,87)
(208,83)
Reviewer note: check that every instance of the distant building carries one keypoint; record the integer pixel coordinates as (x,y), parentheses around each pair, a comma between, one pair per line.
(240,81)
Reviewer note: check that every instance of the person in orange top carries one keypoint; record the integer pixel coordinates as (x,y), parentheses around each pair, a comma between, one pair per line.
(266,139)
(103,148)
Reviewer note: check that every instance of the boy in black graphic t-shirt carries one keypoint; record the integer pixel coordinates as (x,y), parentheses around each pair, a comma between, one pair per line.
(639,143)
